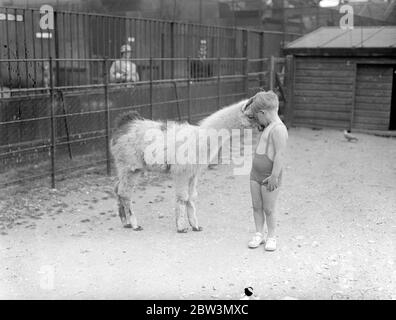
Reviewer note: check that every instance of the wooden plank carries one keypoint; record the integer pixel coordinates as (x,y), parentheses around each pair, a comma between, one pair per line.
(321,115)
(374,114)
(321,93)
(373,100)
(367,78)
(324,87)
(374,70)
(321,123)
(377,85)
(375,61)
(369,126)
(325,100)
(333,80)
(373,93)
(324,66)
(378,107)
(322,107)
(371,120)
(323,73)
(317,60)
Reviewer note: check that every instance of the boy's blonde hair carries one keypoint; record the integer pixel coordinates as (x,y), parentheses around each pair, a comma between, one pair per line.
(265,101)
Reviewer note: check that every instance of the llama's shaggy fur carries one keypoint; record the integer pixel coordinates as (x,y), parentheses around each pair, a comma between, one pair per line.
(128,147)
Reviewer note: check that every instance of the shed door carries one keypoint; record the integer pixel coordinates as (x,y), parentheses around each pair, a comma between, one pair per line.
(373,97)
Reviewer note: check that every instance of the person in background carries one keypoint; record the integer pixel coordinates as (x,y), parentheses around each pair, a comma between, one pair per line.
(124,70)
(201,68)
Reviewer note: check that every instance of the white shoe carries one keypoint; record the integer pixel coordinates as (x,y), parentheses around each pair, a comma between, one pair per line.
(270,244)
(256,241)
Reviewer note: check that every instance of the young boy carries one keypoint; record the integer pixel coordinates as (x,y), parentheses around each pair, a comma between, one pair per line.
(266,174)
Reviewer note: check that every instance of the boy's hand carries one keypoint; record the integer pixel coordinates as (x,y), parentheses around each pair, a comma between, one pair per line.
(272,183)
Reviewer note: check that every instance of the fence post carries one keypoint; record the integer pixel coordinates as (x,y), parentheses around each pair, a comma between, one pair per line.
(172,48)
(272,73)
(245,44)
(218,82)
(107,115)
(151,88)
(289,85)
(189,87)
(261,55)
(53,124)
(246,77)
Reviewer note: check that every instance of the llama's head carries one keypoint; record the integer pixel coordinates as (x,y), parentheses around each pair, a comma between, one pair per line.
(236,116)
(248,117)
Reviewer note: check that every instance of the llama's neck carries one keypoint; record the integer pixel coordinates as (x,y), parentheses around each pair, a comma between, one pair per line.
(226,118)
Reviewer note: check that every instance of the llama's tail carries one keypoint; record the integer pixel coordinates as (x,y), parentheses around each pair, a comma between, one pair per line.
(126,117)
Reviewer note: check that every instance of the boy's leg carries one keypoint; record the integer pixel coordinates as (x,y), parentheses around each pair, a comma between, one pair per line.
(257,202)
(269,206)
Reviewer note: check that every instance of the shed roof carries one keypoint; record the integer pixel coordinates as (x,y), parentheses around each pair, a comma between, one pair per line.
(335,37)
(334,41)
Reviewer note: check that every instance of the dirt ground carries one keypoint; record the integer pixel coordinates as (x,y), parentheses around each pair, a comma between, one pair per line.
(337,233)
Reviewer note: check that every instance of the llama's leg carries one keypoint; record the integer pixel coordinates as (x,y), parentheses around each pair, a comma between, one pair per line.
(191,211)
(181,204)
(123,190)
(182,187)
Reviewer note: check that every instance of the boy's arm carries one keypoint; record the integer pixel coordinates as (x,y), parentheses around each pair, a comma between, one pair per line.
(279,137)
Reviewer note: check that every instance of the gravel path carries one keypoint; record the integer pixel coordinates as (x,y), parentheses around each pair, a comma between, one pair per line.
(337,233)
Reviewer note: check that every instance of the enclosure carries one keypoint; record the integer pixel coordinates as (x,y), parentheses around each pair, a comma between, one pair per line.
(57,105)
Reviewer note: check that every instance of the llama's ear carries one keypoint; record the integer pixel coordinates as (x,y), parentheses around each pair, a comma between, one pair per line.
(244,108)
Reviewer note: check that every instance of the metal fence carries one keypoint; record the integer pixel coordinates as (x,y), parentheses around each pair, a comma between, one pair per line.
(77,37)
(61,129)
(57,112)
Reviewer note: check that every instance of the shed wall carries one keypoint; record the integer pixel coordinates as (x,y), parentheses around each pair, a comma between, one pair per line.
(323,92)
(327,89)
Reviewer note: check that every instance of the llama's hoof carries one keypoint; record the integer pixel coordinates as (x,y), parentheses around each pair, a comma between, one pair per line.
(138,228)
(198,229)
(185,230)
(128,226)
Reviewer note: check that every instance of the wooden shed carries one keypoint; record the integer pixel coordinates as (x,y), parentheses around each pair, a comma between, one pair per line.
(343,79)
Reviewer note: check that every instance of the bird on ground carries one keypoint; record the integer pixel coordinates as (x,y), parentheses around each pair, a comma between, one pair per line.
(349,136)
